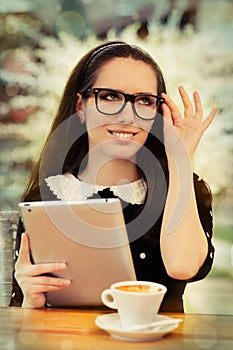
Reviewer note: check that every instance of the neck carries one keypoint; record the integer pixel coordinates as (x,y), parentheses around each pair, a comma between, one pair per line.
(113,172)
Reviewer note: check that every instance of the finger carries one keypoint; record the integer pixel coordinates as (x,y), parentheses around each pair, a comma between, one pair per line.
(31,290)
(174,110)
(206,123)
(44,289)
(167,113)
(198,105)
(48,280)
(40,269)
(24,251)
(188,107)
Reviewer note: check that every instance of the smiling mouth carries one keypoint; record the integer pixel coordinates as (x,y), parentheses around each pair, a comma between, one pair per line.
(122,135)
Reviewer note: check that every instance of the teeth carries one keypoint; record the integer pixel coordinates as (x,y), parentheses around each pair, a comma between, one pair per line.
(122,135)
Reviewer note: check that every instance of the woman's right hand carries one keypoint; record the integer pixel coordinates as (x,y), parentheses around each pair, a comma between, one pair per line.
(31,279)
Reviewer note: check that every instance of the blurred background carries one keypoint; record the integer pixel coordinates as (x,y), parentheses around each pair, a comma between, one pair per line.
(41,41)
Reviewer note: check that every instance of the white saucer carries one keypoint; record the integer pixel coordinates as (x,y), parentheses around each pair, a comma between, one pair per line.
(111,324)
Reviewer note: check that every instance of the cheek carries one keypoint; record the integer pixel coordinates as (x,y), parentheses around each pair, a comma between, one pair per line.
(94,119)
(141,139)
(146,126)
(96,133)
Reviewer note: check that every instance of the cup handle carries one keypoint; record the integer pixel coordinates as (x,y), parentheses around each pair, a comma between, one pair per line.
(108,299)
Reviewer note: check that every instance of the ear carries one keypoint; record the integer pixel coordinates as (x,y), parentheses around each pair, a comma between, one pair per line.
(80,109)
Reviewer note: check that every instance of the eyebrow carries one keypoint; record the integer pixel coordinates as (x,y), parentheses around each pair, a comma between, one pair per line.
(136,93)
(146,93)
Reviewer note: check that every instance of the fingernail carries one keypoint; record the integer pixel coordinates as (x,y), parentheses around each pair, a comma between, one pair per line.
(67,282)
(63,265)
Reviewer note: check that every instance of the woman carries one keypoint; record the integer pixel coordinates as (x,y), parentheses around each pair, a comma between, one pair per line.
(117,133)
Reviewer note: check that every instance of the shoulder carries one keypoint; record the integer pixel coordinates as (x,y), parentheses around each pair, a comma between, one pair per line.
(40,193)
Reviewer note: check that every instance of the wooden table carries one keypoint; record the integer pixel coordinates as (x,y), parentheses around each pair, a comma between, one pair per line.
(63,329)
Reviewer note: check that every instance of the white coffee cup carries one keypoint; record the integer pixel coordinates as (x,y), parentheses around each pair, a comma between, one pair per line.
(137,302)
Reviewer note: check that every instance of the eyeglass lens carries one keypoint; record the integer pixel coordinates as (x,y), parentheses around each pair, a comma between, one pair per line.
(112,102)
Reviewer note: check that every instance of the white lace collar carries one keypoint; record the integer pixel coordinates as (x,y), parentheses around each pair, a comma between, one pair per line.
(68,187)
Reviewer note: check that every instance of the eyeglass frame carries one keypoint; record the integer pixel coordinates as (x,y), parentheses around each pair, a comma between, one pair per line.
(128,98)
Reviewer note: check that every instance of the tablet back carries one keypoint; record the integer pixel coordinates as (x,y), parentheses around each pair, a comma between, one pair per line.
(90,236)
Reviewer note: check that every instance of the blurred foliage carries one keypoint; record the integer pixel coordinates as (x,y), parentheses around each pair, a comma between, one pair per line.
(225,233)
(15,30)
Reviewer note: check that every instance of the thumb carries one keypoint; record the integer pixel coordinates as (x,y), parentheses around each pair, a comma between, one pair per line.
(24,252)
(209,119)
(167,113)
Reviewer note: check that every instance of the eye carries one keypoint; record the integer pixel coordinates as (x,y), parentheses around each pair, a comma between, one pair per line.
(146,100)
(110,95)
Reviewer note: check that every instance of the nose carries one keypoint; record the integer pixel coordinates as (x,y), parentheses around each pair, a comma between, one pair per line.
(127,114)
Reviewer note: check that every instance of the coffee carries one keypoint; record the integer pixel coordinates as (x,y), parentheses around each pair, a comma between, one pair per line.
(139,288)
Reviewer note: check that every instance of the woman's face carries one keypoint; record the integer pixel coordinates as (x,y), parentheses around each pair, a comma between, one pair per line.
(123,134)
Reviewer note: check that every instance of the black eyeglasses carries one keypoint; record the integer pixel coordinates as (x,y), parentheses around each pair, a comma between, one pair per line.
(111,102)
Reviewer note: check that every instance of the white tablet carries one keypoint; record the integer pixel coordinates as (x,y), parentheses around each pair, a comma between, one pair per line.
(90,236)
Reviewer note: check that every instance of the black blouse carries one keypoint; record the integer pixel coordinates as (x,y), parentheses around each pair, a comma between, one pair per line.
(146,252)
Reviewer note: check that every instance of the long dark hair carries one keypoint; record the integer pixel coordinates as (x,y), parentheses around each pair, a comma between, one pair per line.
(82,77)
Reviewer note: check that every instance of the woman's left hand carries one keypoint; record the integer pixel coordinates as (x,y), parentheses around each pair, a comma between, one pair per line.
(189,128)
